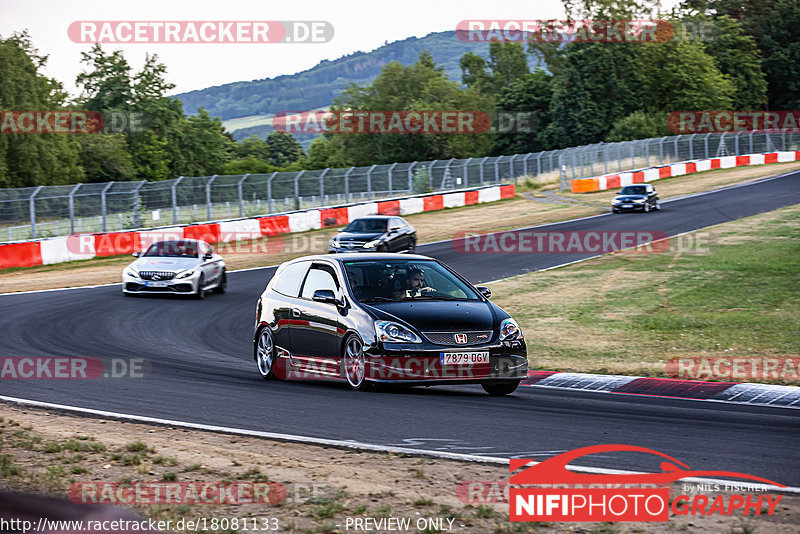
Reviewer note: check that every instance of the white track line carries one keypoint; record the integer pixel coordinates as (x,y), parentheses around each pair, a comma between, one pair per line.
(351,444)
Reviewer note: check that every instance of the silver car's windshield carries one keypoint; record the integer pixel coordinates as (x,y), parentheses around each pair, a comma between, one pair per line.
(172,249)
(396,280)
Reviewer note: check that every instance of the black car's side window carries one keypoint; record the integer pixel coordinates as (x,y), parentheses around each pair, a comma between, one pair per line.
(290,278)
(319,277)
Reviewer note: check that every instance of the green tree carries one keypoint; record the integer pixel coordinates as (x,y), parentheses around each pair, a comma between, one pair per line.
(283,149)
(104,157)
(530,94)
(639,125)
(33,159)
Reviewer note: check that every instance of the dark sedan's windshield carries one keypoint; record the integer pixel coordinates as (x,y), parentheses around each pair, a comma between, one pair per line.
(366,226)
(173,249)
(633,190)
(395,280)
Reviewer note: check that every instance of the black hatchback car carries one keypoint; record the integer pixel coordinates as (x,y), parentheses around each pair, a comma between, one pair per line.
(385,318)
(638,197)
(378,233)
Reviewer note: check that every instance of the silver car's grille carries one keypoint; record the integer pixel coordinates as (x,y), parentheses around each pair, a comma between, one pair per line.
(448,338)
(156,275)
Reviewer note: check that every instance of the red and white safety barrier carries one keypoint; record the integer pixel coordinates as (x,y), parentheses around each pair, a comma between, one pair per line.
(85,246)
(612,181)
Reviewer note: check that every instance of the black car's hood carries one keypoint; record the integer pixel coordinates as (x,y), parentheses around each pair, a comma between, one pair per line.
(350,236)
(437,315)
(630,198)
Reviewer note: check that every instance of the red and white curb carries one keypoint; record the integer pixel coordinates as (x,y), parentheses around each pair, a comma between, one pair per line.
(621,179)
(86,246)
(740,393)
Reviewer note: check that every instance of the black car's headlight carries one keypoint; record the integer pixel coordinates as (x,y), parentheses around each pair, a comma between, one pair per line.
(395,333)
(130,272)
(639,201)
(616,201)
(334,243)
(509,329)
(185,274)
(374,243)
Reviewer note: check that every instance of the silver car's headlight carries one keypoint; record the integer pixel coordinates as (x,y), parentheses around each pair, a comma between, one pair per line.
(395,333)
(509,329)
(130,272)
(186,274)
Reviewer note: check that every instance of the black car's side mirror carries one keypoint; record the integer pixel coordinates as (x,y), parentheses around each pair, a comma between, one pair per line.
(136,254)
(327,296)
(485,291)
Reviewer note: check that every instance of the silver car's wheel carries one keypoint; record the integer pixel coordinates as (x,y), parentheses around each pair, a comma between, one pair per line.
(200,293)
(355,363)
(265,353)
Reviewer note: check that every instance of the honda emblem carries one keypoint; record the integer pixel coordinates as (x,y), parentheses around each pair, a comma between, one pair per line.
(460,338)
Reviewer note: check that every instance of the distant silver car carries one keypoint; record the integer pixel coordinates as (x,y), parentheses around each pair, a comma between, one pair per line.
(181,266)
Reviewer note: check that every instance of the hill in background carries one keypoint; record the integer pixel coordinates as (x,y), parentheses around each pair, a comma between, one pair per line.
(246,107)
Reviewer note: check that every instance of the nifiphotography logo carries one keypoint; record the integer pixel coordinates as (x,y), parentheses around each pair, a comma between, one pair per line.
(564,495)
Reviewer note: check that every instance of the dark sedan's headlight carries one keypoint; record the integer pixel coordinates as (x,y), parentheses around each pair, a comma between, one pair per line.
(616,201)
(391,332)
(374,243)
(509,329)
(334,243)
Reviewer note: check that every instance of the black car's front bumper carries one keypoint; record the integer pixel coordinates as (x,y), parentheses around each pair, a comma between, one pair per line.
(404,363)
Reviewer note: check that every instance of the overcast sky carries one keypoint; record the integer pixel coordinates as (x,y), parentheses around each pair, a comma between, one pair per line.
(359,25)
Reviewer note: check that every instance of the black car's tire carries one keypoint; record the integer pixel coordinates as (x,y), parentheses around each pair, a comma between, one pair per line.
(646,207)
(223,283)
(200,294)
(264,352)
(129,294)
(354,364)
(412,247)
(658,205)
(614,211)
(499,390)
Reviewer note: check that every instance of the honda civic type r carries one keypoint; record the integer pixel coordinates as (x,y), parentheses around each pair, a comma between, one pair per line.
(385,318)
(183,266)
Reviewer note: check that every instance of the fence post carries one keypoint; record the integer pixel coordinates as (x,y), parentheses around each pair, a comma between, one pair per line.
(297,187)
(482,162)
(691,146)
(446,175)
(322,184)
(511,167)
(466,171)
(705,143)
(269,191)
(751,141)
(103,209)
(241,199)
(390,178)
(497,169)
(347,184)
(32,210)
(137,215)
(722,148)
(430,174)
(369,182)
(411,179)
(72,208)
(175,200)
(208,197)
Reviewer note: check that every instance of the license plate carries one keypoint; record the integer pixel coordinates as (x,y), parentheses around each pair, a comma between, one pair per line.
(463,358)
(627,205)
(156,284)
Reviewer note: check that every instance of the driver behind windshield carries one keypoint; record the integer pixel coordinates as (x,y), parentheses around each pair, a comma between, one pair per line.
(414,283)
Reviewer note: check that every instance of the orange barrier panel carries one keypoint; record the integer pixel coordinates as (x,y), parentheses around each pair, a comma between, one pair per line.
(20,255)
(471,197)
(432,203)
(278,224)
(333,216)
(116,243)
(742,160)
(506,191)
(206,232)
(390,207)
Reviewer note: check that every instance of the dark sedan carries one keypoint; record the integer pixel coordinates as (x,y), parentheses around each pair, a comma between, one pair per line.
(379,233)
(385,318)
(639,197)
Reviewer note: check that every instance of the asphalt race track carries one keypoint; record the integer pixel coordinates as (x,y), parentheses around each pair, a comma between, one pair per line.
(202,370)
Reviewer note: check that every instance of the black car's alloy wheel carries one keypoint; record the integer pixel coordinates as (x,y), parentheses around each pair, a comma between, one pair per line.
(355,363)
(498,390)
(265,353)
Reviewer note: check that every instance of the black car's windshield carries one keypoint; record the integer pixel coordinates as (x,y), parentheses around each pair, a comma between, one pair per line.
(173,249)
(396,280)
(633,190)
(366,226)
